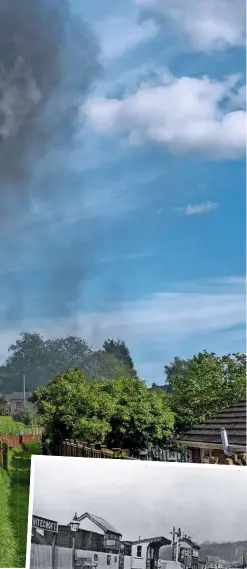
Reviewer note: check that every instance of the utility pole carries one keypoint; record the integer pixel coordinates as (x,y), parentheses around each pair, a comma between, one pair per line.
(173,533)
(178,542)
(24,391)
(176,536)
(24,385)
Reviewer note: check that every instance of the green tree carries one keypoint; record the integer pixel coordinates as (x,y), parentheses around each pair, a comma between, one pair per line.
(204,385)
(28,417)
(104,365)
(119,349)
(122,413)
(41,360)
(71,407)
(3,406)
(165,388)
(141,416)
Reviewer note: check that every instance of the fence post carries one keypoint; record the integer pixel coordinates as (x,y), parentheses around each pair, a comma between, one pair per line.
(53,549)
(5,455)
(21,433)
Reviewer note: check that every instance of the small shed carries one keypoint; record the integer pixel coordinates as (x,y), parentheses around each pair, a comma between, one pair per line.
(204,442)
(188,553)
(145,552)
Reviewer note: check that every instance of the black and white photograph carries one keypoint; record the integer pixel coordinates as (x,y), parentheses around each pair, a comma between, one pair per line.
(106,514)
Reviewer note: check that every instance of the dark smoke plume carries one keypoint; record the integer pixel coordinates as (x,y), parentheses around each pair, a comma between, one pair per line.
(48,60)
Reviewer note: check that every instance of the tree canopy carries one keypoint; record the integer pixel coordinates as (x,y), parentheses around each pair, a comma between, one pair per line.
(121,413)
(41,360)
(121,352)
(201,386)
(3,407)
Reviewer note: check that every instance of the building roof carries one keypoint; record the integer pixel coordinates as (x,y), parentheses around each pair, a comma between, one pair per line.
(17,395)
(232,419)
(100,522)
(190,542)
(160,539)
(38,539)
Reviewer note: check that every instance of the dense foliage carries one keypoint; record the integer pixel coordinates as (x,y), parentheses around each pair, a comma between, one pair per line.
(41,360)
(119,413)
(121,352)
(122,412)
(3,406)
(29,417)
(203,385)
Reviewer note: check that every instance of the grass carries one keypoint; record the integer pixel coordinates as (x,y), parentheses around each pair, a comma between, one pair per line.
(8,427)
(8,552)
(14,498)
(19,475)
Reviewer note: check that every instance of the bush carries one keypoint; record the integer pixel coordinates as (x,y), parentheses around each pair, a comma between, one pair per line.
(34,447)
(26,416)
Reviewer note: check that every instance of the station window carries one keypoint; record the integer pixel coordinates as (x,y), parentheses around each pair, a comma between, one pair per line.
(139,551)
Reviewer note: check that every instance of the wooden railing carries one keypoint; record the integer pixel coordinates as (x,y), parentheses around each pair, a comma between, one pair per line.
(82,449)
(236,460)
(72,447)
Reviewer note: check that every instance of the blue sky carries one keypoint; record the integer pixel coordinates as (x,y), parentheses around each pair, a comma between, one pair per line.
(150,208)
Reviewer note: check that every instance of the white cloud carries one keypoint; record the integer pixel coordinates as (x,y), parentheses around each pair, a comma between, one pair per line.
(184,114)
(208,24)
(130,257)
(161,319)
(197,209)
(118,35)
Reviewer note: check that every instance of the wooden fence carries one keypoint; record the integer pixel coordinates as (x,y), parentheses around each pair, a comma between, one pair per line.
(16,440)
(4,455)
(78,448)
(167,454)
(239,459)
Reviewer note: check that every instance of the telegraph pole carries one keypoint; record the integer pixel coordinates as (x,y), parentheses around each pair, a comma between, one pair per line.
(176,536)
(24,385)
(24,391)
(178,541)
(173,533)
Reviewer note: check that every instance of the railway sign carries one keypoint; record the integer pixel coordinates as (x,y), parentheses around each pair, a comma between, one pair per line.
(43,523)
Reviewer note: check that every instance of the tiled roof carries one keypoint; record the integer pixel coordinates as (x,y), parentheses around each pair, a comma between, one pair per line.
(190,542)
(18,395)
(100,522)
(232,419)
(160,539)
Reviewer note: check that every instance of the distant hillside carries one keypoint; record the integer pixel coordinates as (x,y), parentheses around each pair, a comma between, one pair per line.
(230,551)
